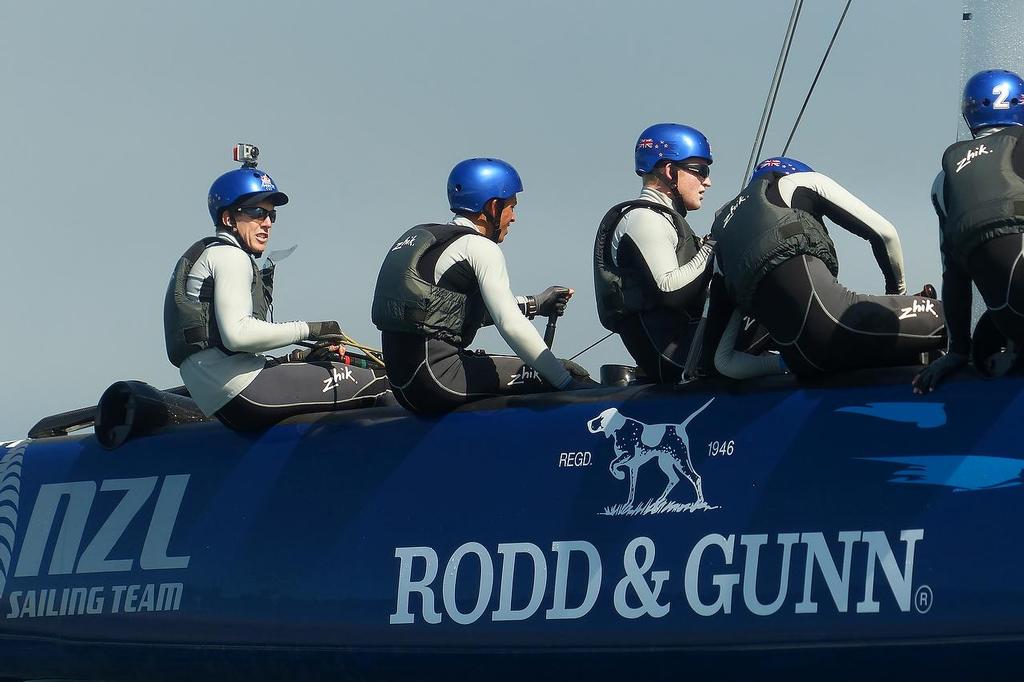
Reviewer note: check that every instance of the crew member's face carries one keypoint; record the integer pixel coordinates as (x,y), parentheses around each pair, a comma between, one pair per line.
(252,225)
(507,217)
(692,179)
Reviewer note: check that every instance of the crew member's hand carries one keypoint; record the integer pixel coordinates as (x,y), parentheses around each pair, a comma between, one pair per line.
(322,353)
(575,370)
(329,353)
(318,330)
(552,301)
(577,384)
(928,379)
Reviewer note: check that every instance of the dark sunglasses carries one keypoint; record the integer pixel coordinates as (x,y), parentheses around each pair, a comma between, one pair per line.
(701,170)
(258,212)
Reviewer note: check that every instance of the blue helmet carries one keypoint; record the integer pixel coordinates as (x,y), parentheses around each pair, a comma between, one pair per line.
(993,98)
(669,142)
(242,184)
(474,182)
(779,164)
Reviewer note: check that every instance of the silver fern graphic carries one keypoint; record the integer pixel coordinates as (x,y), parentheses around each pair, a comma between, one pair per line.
(10,488)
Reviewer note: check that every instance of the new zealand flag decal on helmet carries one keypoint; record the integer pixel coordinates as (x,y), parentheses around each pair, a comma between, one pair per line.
(646,143)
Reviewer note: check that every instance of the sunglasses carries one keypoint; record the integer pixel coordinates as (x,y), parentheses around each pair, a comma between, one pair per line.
(701,170)
(258,213)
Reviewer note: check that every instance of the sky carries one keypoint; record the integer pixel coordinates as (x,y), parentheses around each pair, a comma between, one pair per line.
(117,116)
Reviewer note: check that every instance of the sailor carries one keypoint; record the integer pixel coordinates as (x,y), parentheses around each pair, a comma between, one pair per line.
(218,320)
(440,283)
(651,271)
(775,261)
(979,199)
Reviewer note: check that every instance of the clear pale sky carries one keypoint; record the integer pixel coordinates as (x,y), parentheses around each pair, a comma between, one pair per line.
(117,116)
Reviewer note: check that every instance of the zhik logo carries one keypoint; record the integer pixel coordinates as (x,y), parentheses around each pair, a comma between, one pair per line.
(524,374)
(408,241)
(732,209)
(916,306)
(337,376)
(972,154)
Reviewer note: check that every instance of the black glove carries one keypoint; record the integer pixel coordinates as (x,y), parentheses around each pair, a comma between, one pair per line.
(321,330)
(574,370)
(549,302)
(928,379)
(581,384)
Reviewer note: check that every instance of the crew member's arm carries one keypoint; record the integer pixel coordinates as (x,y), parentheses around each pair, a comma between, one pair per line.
(821,195)
(232,305)
(722,330)
(488,265)
(956,301)
(956,284)
(655,242)
(524,308)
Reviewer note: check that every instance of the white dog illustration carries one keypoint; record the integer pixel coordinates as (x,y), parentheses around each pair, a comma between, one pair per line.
(636,443)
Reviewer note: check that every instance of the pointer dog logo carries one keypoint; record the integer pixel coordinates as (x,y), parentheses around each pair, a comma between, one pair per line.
(636,443)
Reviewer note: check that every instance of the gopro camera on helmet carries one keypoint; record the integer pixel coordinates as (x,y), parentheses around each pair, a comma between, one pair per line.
(246,154)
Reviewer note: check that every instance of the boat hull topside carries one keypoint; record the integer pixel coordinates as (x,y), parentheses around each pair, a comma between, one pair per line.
(649,527)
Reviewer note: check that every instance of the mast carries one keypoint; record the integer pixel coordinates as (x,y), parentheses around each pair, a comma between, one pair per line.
(989,39)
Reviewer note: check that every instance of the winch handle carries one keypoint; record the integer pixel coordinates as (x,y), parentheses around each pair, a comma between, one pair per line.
(549,331)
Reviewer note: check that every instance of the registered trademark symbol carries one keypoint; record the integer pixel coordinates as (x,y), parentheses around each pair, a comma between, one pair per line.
(923,599)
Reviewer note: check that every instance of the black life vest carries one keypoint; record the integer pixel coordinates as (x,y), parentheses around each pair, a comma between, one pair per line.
(620,291)
(406,301)
(191,326)
(983,194)
(753,236)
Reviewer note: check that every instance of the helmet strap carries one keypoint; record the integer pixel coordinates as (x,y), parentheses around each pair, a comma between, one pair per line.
(671,178)
(494,219)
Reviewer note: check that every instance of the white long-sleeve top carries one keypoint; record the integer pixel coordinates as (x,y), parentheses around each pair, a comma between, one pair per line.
(650,237)
(212,376)
(487,263)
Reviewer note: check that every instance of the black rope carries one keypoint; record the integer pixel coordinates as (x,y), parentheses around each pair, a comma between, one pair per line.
(815,81)
(775,95)
(591,345)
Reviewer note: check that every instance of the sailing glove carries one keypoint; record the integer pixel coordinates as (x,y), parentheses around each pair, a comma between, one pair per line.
(323,330)
(550,302)
(928,379)
(581,384)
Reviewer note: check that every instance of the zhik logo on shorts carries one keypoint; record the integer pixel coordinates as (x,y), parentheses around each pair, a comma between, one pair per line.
(918,306)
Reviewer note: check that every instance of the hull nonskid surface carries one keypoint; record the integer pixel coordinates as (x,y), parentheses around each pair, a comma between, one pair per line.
(638,529)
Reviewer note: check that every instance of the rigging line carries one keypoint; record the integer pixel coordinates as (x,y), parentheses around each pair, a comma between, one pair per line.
(775,95)
(773,91)
(591,345)
(815,81)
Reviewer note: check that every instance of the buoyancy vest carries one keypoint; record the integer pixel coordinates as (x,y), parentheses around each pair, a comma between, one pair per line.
(620,290)
(983,194)
(753,236)
(405,299)
(190,325)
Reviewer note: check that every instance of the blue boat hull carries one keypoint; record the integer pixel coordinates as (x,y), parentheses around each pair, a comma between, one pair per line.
(777,528)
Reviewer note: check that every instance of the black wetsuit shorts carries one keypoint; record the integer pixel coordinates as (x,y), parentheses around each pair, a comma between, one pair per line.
(821,326)
(997,268)
(286,389)
(659,341)
(432,376)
